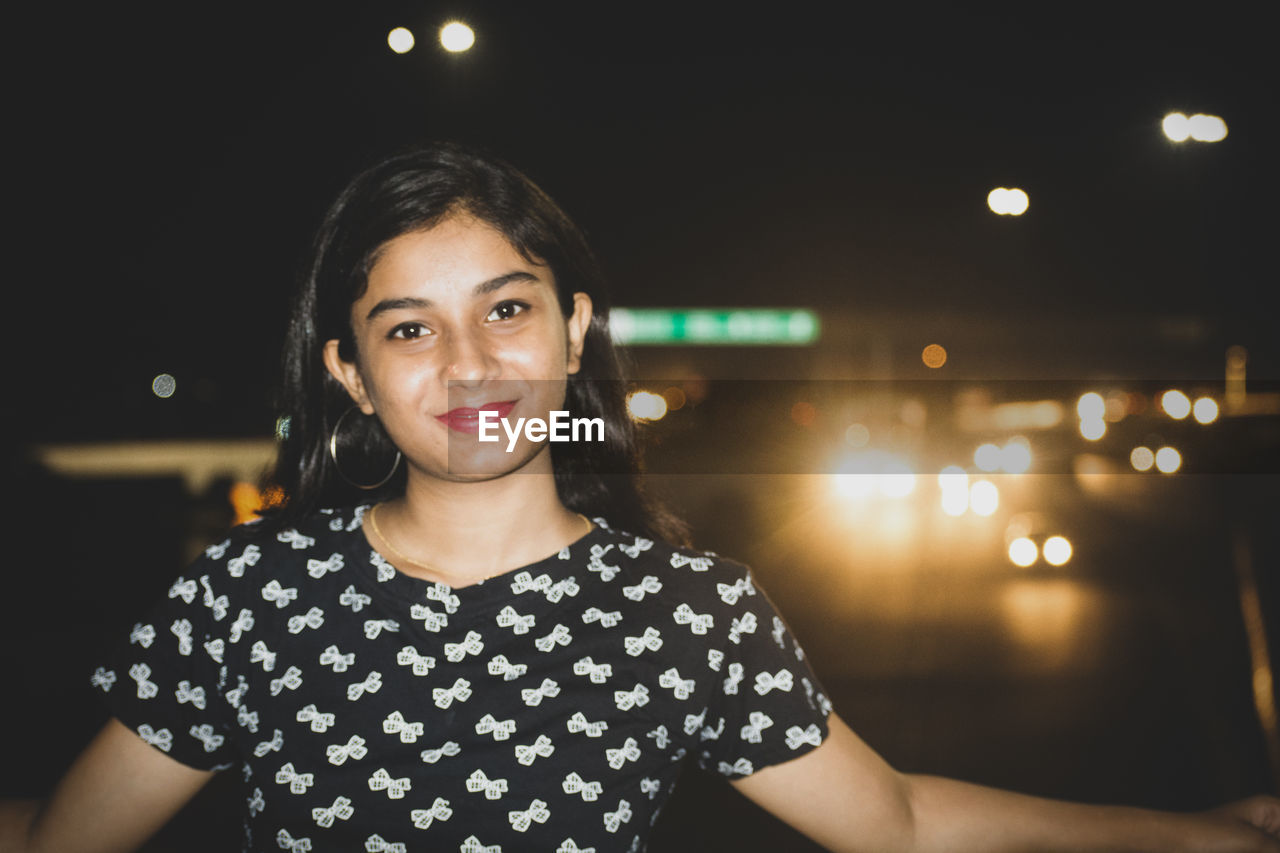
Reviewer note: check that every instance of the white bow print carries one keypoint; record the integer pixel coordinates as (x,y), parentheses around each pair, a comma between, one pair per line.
(215,648)
(181,628)
(470,645)
(285,841)
(317,568)
(534,696)
(103,678)
(187,693)
(376,844)
(778,630)
(374,627)
(661,738)
(607,620)
(247,719)
(741,767)
(422,664)
(652,640)
(341,809)
(162,739)
(244,622)
(709,733)
(357,601)
(540,747)
(461,691)
(698,564)
(597,563)
(578,723)
(471,844)
(235,694)
(332,657)
(559,589)
(629,751)
(143,635)
(731,594)
(430,619)
(493,788)
(734,679)
(386,571)
(682,687)
(313,619)
(215,552)
(633,550)
(273,745)
(184,588)
(525,582)
(509,671)
(570,847)
(693,721)
(146,689)
(648,584)
(575,784)
(217,605)
(745,624)
(501,729)
(537,811)
(439,810)
(259,653)
(759,721)
(650,786)
(292,679)
(598,673)
(559,636)
(614,820)
(237,565)
(395,723)
(509,618)
(319,721)
(449,749)
(715,659)
(295,539)
(298,782)
(354,749)
(797,736)
(766,682)
(381,780)
(371,684)
(280,595)
(443,594)
(256,803)
(628,699)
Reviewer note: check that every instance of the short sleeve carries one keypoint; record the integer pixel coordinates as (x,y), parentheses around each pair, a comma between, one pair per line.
(767,705)
(164,680)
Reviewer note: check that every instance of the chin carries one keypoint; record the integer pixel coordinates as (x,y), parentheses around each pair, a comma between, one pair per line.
(481,465)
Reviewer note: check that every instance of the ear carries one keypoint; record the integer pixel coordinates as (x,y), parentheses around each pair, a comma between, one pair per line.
(577,324)
(348,375)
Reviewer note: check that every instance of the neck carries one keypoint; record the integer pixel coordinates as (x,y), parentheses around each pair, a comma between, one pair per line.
(462,533)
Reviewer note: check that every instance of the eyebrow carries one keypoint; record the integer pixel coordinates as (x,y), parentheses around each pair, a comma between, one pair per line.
(480,289)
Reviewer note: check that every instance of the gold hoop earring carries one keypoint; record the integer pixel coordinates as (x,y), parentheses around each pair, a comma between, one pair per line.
(333,454)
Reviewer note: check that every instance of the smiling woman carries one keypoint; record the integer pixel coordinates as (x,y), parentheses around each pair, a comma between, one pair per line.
(459,657)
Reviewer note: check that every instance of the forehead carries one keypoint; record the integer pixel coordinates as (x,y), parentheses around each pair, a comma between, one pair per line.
(459,251)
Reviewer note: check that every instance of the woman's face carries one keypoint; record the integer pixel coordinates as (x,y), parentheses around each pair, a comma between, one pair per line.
(455,321)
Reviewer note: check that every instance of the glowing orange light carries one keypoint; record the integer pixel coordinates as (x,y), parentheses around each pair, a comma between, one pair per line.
(247,502)
(934,355)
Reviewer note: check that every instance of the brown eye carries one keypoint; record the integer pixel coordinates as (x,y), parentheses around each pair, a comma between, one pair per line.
(507,309)
(408,331)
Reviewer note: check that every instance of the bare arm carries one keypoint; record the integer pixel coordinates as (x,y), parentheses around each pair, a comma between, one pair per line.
(845,797)
(116,795)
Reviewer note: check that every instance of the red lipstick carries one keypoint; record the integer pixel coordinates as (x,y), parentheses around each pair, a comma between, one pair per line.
(467,419)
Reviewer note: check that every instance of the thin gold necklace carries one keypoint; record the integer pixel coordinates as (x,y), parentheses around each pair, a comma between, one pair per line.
(373,519)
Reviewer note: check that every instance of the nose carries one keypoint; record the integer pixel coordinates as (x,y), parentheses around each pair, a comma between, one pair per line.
(469,361)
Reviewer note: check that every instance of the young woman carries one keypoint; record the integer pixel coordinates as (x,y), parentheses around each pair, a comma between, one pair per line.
(440,642)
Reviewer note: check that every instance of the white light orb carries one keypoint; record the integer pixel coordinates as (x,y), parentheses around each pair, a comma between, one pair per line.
(1091,406)
(1023,552)
(164,385)
(457,37)
(1168,460)
(1093,428)
(1175,404)
(646,406)
(984,497)
(1205,128)
(1141,458)
(1177,127)
(1015,457)
(987,457)
(1205,410)
(1057,550)
(400,40)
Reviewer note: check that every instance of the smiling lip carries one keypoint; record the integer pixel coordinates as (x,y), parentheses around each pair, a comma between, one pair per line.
(467,419)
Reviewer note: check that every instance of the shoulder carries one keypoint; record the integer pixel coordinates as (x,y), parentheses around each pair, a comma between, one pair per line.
(261,548)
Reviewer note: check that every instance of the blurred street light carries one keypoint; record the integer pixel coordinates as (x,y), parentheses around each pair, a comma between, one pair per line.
(1205,410)
(1057,550)
(1175,404)
(1200,127)
(1008,202)
(1168,460)
(457,37)
(400,40)
(1023,552)
(1141,458)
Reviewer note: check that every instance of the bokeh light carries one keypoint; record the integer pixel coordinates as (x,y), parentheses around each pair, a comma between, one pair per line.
(1142,458)
(646,406)
(1205,410)
(1168,460)
(164,385)
(1093,428)
(1015,457)
(934,355)
(1176,127)
(400,40)
(1091,406)
(984,497)
(1023,552)
(1057,550)
(1206,128)
(987,457)
(857,435)
(457,37)
(1008,202)
(1175,404)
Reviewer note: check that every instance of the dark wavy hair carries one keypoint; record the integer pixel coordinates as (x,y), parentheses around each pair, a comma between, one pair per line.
(412,191)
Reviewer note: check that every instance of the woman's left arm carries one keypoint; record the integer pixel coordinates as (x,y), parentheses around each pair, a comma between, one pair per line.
(847,798)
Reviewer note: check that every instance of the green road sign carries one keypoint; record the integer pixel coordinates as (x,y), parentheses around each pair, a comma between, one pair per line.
(709,326)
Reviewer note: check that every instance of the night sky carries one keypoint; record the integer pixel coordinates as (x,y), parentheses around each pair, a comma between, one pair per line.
(168,165)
